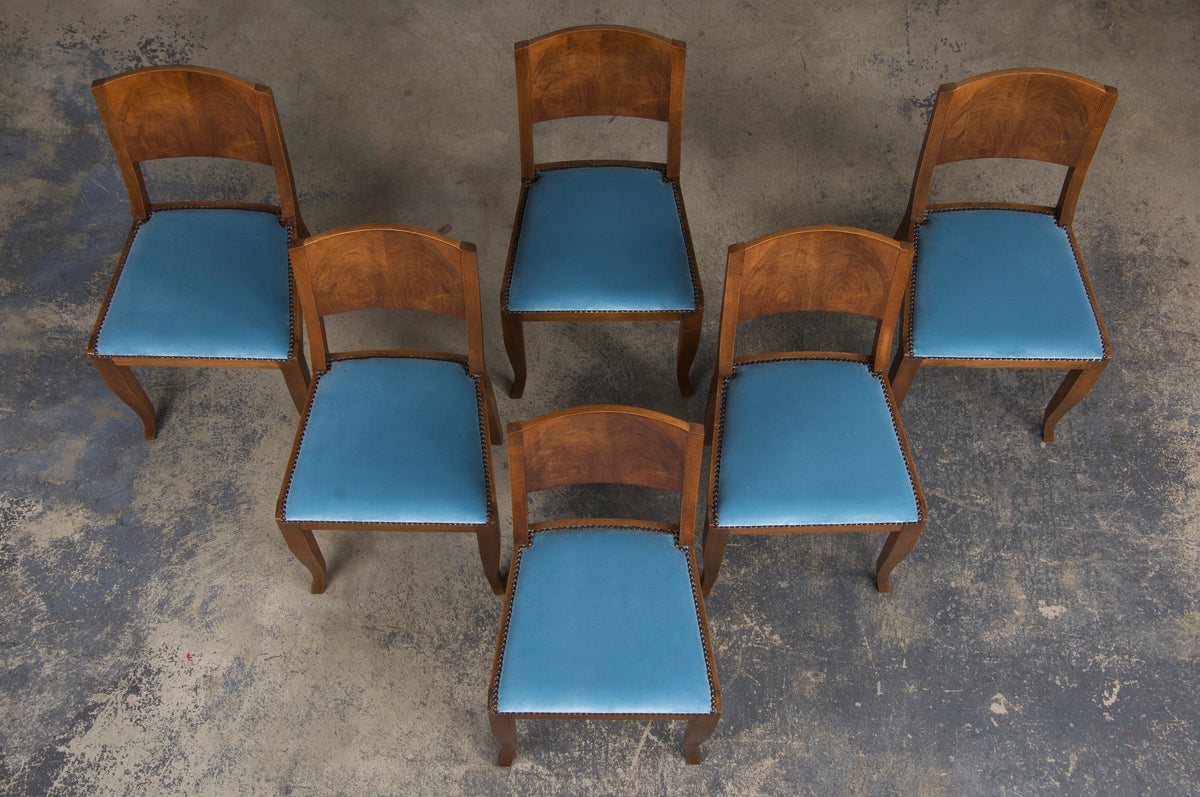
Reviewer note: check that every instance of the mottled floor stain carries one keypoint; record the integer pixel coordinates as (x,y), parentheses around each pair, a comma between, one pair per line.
(157,637)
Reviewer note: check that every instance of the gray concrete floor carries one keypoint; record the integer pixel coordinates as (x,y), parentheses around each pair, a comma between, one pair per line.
(156,637)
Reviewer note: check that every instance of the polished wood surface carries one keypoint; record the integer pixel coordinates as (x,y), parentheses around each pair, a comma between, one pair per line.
(601,70)
(1033,114)
(803,269)
(189,111)
(390,266)
(820,268)
(604,448)
(604,444)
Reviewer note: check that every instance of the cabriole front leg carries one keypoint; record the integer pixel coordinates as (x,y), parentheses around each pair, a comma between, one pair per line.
(697,732)
(1072,390)
(303,546)
(898,545)
(489,554)
(121,380)
(514,344)
(504,730)
(689,343)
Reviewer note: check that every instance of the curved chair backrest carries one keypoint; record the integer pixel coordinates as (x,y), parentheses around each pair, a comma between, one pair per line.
(386,266)
(605,444)
(600,70)
(189,111)
(827,268)
(1032,114)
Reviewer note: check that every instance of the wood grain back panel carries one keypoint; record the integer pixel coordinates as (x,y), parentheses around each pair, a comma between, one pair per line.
(819,268)
(382,267)
(1034,114)
(603,445)
(171,112)
(599,71)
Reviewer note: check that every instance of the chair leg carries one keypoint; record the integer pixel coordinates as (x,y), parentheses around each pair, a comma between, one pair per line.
(1072,390)
(696,733)
(489,400)
(489,554)
(904,370)
(514,344)
(121,380)
(689,342)
(504,730)
(295,374)
(710,408)
(898,546)
(304,547)
(714,553)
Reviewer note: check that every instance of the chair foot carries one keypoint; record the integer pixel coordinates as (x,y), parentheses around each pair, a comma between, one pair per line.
(689,343)
(295,374)
(904,370)
(1072,390)
(514,344)
(504,730)
(897,546)
(489,399)
(489,554)
(125,385)
(696,733)
(714,553)
(303,546)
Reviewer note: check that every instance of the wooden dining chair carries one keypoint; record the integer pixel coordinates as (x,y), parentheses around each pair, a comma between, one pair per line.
(600,240)
(199,283)
(999,285)
(391,440)
(603,618)
(810,441)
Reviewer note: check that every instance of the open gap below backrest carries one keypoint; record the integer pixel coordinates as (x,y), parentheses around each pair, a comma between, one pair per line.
(997,180)
(362,330)
(805,331)
(584,138)
(604,501)
(209,180)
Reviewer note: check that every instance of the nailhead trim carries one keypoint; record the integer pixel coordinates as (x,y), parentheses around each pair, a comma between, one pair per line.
(483,441)
(137,226)
(513,580)
(912,288)
(693,271)
(718,450)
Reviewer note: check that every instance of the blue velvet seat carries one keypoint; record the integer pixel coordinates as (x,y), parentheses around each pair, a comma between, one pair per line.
(810,441)
(999,285)
(198,283)
(391,440)
(603,621)
(600,240)
(202,282)
(604,617)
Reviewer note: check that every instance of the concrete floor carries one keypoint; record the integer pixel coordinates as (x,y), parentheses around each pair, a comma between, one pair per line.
(156,636)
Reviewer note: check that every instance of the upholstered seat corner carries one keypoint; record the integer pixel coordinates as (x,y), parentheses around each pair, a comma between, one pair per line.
(392,440)
(603,621)
(808,442)
(211,283)
(601,239)
(1000,283)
